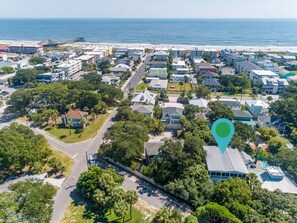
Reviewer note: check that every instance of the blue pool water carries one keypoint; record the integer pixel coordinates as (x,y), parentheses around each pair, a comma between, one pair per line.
(264,164)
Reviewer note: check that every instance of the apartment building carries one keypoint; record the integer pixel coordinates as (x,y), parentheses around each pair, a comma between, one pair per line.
(70,67)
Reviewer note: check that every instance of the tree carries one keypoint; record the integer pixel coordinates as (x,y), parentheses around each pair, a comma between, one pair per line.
(164,215)
(36,60)
(202,92)
(191,219)
(93,77)
(6,70)
(158,112)
(276,144)
(69,125)
(267,133)
(24,75)
(269,98)
(20,100)
(131,198)
(252,181)
(121,209)
(56,165)
(27,201)
(220,110)
(190,112)
(124,142)
(181,83)
(213,212)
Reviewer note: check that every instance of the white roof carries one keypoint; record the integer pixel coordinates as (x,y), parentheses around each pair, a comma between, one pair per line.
(173,105)
(179,63)
(230,161)
(144,97)
(251,103)
(264,73)
(85,57)
(200,102)
(156,83)
(274,81)
(68,63)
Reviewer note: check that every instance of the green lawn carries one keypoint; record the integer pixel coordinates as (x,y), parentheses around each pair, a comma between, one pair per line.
(66,160)
(142,86)
(89,132)
(294,72)
(177,88)
(81,214)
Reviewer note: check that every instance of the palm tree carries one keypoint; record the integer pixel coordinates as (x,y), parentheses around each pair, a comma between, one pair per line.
(121,209)
(132,198)
(252,181)
(54,115)
(69,124)
(162,216)
(181,84)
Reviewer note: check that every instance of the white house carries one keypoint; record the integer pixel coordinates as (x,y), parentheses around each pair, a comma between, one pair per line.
(144,97)
(227,71)
(179,64)
(176,78)
(158,85)
(171,113)
(120,68)
(257,75)
(161,55)
(256,107)
(273,85)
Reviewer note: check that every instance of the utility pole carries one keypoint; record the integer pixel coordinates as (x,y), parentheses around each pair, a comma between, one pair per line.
(88,164)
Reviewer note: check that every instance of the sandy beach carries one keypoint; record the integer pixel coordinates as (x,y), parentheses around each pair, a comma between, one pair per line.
(165,46)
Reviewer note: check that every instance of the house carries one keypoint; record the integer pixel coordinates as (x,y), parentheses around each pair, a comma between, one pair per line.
(245,67)
(208,74)
(196,53)
(227,71)
(182,71)
(178,52)
(291,65)
(76,117)
(158,72)
(232,58)
(232,103)
(179,64)
(244,117)
(127,61)
(203,67)
(147,110)
(50,77)
(212,53)
(283,73)
(274,85)
(157,64)
(265,64)
(222,166)
(211,83)
(110,79)
(70,67)
(120,68)
(171,113)
(201,103)
(158,85)
(176,78)
(144,98)
(264,120)
(87,59)
(256,107)
(286,59)
(161,55)
(152,149)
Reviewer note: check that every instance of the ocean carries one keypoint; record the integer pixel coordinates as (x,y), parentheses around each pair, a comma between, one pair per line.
(218,32)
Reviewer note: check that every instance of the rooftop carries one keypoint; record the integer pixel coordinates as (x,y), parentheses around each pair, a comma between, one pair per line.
(230,102)
(230,161)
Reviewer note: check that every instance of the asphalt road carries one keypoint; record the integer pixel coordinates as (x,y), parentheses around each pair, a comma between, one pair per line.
(138,75)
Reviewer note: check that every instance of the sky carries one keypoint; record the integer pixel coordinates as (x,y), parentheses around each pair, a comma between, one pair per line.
(148,8)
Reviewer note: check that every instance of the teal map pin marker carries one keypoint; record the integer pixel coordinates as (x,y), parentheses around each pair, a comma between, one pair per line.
(223,131)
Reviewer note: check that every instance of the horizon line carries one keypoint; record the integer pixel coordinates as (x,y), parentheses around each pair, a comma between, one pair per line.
(252,18)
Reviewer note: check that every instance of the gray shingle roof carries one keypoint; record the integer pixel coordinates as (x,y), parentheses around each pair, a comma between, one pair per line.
(152,148)
(241,113)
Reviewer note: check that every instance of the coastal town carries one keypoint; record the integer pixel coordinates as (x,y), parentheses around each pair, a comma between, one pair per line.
(137,119)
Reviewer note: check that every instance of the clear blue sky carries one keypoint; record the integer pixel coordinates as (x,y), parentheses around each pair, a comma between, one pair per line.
(148,8)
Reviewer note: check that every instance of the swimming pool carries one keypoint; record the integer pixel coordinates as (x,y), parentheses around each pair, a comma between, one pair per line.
(264,164)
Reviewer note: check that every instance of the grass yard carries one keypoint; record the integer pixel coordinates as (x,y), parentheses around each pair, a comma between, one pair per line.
(294,72)
(88,132)
(80,214)
(177,88)
(66,160)
(142,86)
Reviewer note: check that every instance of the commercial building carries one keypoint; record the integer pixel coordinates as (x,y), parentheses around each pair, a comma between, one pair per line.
(70,67)
(25,49)
(87,59)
